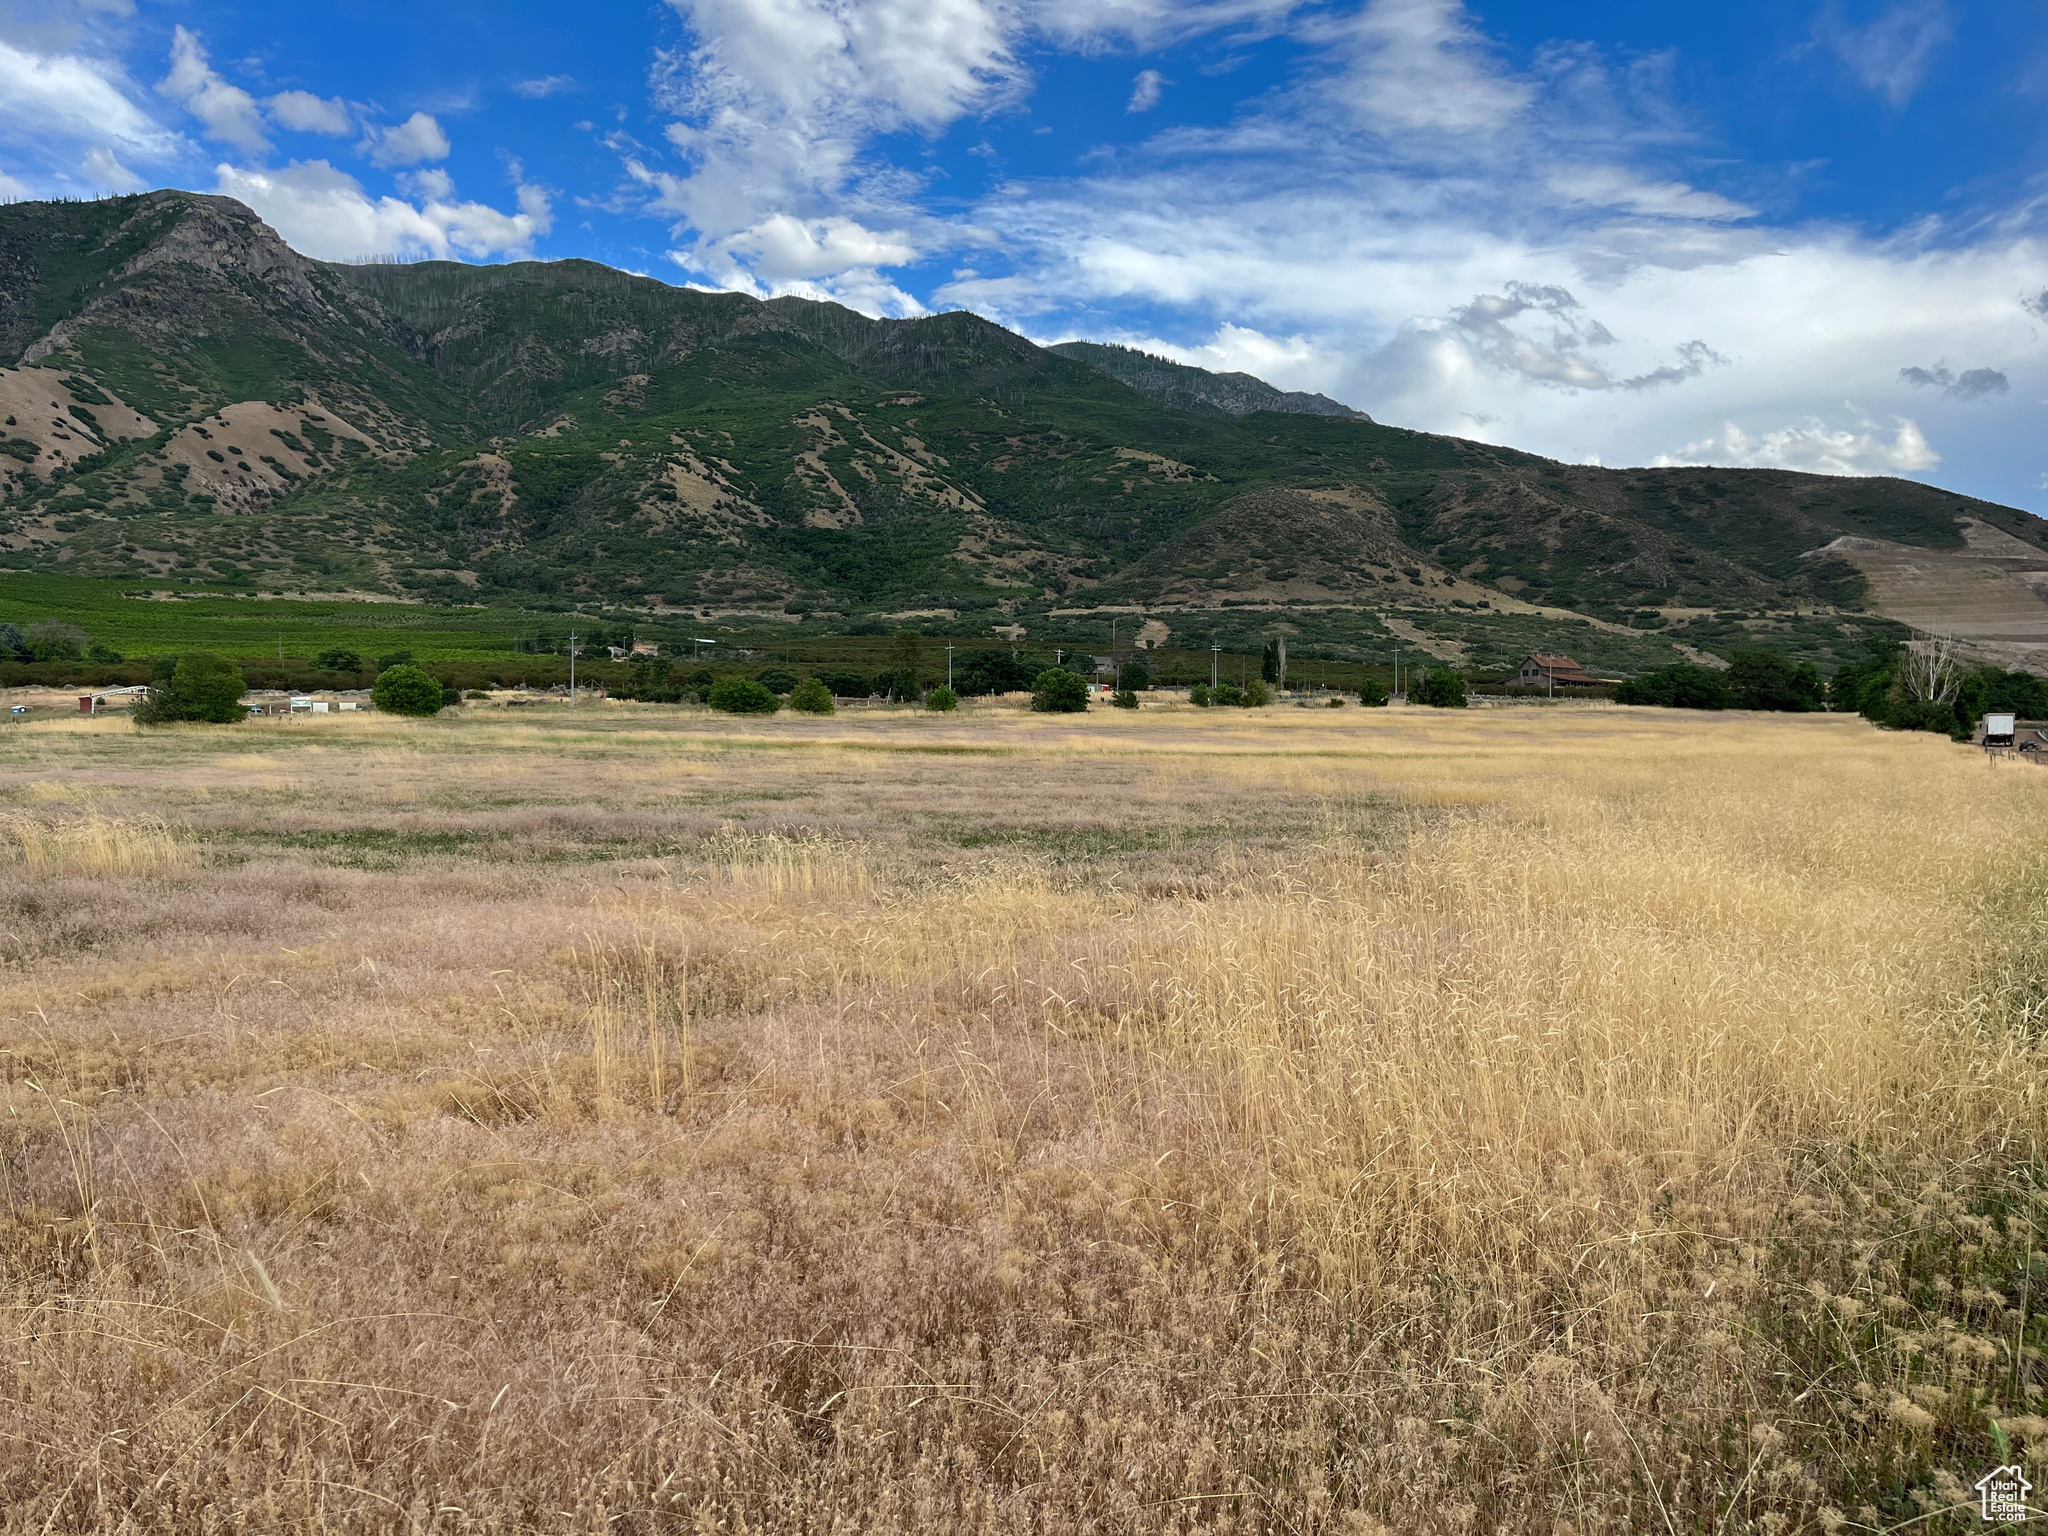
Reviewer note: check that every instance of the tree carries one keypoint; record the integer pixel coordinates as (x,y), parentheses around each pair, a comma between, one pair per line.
(395,659)
(1056,691)
(1135,676)
(12,646)
(906,662)
(743,696)
(942,699)
(811,697)
(1440,688)
(1682,685)
(778,680)
(1227,696)
(339,658)
(844,683)
(1199,695)
(1269,662)
(198,686)
(1255,695)
(1124,698)
(103,653)
(54,640)
(1760,678)
(406,690)
(1373,694)
(1931,668)
(990,670)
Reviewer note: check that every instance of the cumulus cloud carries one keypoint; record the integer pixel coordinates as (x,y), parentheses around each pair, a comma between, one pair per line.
(2037,305)
(1145,91)
(1553,355)
(418,138)
(1972,384)
(546,85)
(325,213)
(1816,448)
(303,112)
(1892,54)
(227,112)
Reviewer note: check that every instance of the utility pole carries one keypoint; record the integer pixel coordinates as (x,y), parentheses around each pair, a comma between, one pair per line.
(1215,663)
(572,668)
(1283,663)
(1397,672)
(949,666)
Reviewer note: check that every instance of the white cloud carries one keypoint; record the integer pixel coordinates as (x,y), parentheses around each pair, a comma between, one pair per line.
(1418,65)
(1145,91)
(11,189)
(324,212)
(303,112)
(781,248)
(546,85)
(228,112)
(102,170)
(1892,54)
(1816,448)
(418,138)
(72,97)
(1608,186)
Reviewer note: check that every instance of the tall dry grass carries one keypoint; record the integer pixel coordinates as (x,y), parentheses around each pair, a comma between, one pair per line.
(93,844)
(1583,1123)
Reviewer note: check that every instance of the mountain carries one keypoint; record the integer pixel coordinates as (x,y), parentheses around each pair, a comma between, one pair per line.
(1196,389)
(188,399)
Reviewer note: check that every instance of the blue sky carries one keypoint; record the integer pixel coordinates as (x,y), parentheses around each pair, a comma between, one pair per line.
(1808,235)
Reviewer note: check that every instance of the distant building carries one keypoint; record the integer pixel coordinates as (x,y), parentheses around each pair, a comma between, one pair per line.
(646,648)
(1540,671)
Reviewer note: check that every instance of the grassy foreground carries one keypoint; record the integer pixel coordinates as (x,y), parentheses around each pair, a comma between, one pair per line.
(1296,1121)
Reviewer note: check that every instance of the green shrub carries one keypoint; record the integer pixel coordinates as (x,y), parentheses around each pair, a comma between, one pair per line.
(1227,696)
(1255,695)
(1373,694)
(54,640)
(339,658)
(1682,685)
(743,696)
(1440,688)
(451,697)
(942,698)
(811,697)
(1124,698)
(778,680)
(103,654)
(1057,691)
(1135,676)
(844,682)
(395,659)
(1199,695)
(199,686)
(476,693)
(406,690)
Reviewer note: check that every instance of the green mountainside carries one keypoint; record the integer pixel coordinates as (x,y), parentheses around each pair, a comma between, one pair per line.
(189,400)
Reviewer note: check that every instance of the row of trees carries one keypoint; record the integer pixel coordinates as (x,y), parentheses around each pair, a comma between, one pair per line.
(54,640)
(200,686)
(1921,684)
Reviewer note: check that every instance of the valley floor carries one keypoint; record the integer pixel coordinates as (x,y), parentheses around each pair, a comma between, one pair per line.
(1523,1120)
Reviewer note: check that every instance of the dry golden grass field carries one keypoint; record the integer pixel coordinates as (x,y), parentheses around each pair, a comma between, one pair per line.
(1297,1121)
